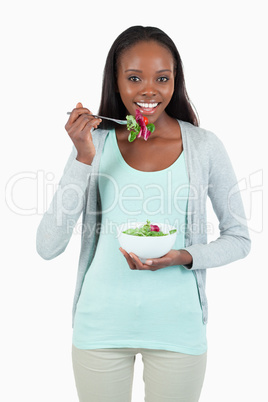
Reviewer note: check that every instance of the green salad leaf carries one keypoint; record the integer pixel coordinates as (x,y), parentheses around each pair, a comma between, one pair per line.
(133,127)
(138,128)
(147,230)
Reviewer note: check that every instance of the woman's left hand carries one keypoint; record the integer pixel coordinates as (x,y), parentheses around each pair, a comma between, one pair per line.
(173,257)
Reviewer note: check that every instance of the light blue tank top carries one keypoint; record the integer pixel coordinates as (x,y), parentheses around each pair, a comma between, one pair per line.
(123,308)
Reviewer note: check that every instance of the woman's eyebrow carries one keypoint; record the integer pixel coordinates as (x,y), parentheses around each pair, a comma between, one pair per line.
(166,69)
(140,71)
(133,69)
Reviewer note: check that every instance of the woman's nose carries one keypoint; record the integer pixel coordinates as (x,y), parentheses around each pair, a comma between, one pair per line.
(148,89)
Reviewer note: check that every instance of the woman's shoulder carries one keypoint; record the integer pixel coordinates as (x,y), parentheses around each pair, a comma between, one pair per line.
(199,137)
(198,133)
(205,147)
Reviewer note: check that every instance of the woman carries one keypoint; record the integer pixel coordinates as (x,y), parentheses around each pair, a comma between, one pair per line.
(123,306)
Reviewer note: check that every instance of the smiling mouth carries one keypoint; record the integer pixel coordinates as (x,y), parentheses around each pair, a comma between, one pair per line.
(147,107)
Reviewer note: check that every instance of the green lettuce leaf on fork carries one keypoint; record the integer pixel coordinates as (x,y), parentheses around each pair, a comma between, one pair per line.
(138,128)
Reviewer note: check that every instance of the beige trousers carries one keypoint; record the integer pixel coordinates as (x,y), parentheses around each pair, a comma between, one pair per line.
(106,375)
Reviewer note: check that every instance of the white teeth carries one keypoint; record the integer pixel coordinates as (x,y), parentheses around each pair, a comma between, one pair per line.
(147,105)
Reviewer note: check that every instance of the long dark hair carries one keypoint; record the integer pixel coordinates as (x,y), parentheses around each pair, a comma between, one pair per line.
(111,104)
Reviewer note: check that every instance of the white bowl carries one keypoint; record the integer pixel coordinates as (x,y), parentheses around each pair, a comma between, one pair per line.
(148,246)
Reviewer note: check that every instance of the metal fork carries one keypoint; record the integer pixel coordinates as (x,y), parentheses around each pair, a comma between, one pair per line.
(107,118)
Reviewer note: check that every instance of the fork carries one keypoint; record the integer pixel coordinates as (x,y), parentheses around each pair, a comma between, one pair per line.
(107,118)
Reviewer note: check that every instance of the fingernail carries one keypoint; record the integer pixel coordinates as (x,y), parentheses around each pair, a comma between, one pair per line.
(148,262)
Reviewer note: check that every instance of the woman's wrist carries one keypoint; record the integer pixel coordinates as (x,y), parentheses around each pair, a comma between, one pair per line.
(184,258)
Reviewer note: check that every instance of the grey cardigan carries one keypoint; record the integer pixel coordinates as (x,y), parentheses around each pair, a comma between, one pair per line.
(210,174)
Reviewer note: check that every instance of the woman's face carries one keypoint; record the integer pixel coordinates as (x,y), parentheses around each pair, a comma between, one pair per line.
(145,79)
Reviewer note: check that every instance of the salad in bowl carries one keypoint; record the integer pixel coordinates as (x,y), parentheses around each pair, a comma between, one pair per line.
(147,240)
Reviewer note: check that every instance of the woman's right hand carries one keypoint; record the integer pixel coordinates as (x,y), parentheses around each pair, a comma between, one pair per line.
(79,128)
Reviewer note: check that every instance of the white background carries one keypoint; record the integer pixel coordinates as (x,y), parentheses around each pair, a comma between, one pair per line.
(52,56)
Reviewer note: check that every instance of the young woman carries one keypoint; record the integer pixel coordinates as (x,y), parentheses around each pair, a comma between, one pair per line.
(123,306)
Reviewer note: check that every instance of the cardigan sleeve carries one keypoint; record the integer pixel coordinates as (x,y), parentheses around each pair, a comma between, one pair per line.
(233,242)
(56,227)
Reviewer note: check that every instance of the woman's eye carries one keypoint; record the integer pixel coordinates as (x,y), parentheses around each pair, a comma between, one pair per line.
(163,79)
(134,79)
